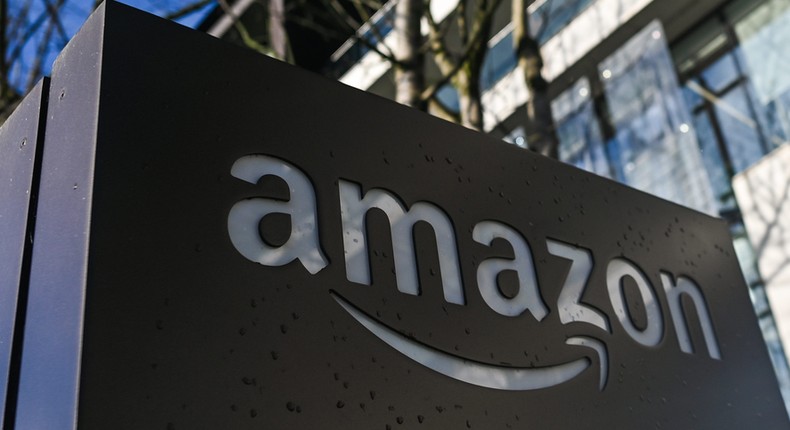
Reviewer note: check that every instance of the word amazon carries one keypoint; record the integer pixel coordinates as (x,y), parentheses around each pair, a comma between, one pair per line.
(303,245)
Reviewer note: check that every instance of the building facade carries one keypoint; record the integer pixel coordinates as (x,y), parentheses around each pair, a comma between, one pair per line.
(671,97)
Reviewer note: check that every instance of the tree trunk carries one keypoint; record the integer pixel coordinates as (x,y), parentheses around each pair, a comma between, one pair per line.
(541,135)
(278,38)
(467,81)
(470,106)
(409,70)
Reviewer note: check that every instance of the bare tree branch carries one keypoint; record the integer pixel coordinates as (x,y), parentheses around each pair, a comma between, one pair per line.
(363,13)
(436,107)
(188,9)
(278,37)
(436,41)
(311,24)
(38,60)
(340,14)
(248,41)
(3,66)
(540,131)
(449,65)
(410,72)
(16,22)
(22,40)
(54,16)
(374,29)
(463,26)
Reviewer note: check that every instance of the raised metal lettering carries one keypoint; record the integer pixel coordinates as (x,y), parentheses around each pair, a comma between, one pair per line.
(528,296)
(674,292)
(569,302)
(617,269)
(353,210)
(245,216)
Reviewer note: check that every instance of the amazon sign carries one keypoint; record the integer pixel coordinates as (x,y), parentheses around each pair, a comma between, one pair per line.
(222,240)
(303,245)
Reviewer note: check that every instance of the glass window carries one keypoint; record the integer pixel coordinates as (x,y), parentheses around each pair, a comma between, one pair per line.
(736,70)
(499,61)
(739,129)
(764,35)
(729,65)
(712,159)
(721,74)
(693,98)
(547,18)
(745,254)
(581,143)
(448,96)
(352,51)
(708,39)
(653,149)
(759,299)
(775,119)
(776,352)
(763,31)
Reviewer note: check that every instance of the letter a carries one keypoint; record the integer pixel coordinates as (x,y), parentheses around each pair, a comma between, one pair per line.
(245,216)
(528,296)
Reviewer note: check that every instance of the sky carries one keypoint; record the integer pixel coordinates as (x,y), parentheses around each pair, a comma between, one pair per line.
(73,15)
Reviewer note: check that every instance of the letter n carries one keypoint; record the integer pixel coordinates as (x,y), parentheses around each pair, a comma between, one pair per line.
(674,292)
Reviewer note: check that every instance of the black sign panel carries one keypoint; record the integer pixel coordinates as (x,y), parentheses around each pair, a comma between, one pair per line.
(251,246)
(19,160)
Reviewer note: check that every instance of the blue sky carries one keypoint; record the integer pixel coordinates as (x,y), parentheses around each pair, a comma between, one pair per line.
(73,15)
(162,7)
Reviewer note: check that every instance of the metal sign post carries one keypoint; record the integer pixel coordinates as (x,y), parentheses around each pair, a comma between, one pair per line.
(20,158)
(225,241)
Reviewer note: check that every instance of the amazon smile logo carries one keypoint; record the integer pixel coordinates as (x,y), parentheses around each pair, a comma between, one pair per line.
(303,245)
(477,373)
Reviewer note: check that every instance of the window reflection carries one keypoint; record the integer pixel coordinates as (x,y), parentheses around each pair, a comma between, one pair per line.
(771,335)
(680,126)
(721,74)
(734,68)
(581,143)
(763,31)
(742,83)
(714,164)
(546,19)
(764,34)
(740,131)
(373,32)
(653,148)
(500,58)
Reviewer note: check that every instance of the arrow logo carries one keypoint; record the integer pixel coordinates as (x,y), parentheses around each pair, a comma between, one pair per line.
(478,373)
